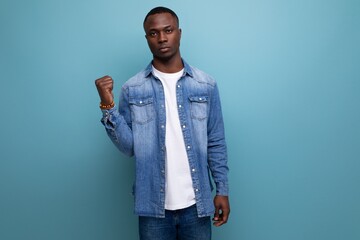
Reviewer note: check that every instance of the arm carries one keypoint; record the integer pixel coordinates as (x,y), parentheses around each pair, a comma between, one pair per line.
(117,122)
(217,159)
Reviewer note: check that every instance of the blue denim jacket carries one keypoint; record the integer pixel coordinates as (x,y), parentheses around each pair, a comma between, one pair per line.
(137,128)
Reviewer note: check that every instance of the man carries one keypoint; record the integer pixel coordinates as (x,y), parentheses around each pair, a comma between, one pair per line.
(169,118)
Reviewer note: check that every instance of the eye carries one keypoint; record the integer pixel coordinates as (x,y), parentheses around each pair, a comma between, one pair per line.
(168,31)
(152,34)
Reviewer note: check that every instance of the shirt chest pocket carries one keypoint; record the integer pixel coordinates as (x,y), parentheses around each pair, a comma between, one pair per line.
(199,107)
(142,110)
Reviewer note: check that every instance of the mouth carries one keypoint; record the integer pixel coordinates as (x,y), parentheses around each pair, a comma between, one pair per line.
(164,49)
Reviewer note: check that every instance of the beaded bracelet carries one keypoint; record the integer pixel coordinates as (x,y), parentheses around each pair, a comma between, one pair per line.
(105,107)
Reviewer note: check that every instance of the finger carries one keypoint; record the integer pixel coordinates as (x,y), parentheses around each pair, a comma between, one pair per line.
(218,222)
(216,214)
(105,86)
(103,79)
(223,218)
(225,213)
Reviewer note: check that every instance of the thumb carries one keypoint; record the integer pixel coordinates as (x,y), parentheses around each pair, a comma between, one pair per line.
(217,213)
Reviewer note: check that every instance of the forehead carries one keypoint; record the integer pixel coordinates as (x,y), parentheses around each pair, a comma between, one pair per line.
(160,20)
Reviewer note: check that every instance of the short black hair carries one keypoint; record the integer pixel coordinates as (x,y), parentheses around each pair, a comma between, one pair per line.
(157,10)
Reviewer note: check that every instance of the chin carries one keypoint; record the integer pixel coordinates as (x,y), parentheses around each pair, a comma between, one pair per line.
(164,57)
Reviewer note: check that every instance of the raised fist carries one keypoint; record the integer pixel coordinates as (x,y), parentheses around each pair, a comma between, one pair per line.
(104,86)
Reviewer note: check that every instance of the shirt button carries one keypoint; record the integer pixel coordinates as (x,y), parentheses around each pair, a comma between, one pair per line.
(196,190)
(162,105)
(178,86)
(179,106)
(184,126)
(188,147)
(193,169)
(140,102)
(200,99)
(162,126)
(161,190)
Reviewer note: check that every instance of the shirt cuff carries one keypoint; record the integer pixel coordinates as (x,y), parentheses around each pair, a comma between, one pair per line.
(108,115)
(108,111)
(222,189)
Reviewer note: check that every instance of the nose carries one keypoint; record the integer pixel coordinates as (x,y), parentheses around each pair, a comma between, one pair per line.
(162,37)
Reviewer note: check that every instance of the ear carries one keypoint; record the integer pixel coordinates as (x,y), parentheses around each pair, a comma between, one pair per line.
(180,32)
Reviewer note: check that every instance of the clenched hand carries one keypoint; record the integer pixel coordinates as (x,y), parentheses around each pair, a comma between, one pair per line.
(104,86)
(222,210)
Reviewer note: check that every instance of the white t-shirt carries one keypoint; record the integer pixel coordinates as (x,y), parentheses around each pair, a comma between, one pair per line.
(179,192)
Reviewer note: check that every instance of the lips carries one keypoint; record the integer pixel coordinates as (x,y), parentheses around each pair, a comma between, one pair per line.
(164,49)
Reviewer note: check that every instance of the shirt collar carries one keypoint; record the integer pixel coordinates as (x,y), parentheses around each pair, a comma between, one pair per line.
(187,69)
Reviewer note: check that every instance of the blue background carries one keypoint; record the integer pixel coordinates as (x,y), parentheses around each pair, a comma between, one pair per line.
(289,78)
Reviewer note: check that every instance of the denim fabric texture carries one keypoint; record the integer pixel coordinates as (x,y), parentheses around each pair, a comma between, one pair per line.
(137,128)
(183,224)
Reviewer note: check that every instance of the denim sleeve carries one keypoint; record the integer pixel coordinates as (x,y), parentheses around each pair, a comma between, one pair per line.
(117,124)
(217,150)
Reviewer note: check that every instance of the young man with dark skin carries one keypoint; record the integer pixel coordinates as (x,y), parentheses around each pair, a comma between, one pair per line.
(169,118)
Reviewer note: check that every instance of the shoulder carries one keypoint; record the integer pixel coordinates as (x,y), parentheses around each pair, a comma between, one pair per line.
(201,76)
(137,80)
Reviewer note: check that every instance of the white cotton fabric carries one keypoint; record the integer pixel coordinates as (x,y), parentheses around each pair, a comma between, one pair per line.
(179,192)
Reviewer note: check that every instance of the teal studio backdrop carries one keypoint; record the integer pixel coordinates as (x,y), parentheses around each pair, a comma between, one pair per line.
(289,77)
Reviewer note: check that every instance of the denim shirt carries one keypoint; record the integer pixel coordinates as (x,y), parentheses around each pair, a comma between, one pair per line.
(137,128)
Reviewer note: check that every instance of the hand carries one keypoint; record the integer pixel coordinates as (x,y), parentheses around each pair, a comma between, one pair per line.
(104,86)
(222,210)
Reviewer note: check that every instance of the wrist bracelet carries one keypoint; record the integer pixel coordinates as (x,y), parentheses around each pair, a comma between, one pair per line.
(105,107)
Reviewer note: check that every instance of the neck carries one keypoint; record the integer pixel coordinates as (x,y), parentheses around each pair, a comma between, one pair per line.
(171,65)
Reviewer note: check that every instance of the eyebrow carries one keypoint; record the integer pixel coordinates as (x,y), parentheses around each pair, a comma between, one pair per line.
(156,29)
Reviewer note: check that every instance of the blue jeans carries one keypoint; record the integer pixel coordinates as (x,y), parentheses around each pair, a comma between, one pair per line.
(183,224)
